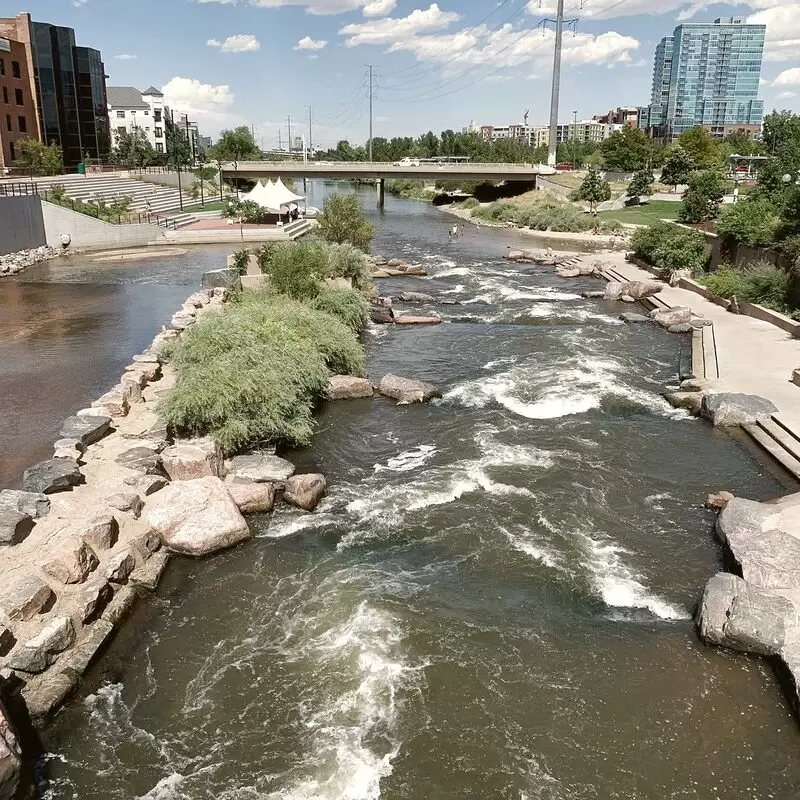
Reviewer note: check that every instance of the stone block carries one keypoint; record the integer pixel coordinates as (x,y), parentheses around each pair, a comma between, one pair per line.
(348,387)
(38,653)
(14,526)
(26,598)
(260,468)
(93,600)
(147,484)
(115,403)
(128,502)
(120,606)
(141,457)
(252,498)
(222,278)
(148,575)
(46,695)
(120,566)
(727,409)
(34,504)
(55,475)
(407,390)
(100,533)
(305,491)
(86,428)
(192,458)
(71,562)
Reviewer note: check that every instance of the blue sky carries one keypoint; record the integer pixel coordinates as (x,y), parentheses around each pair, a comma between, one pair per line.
(437,65)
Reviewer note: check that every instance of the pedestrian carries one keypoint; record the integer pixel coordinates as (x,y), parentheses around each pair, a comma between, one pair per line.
(454,232)
(450,234)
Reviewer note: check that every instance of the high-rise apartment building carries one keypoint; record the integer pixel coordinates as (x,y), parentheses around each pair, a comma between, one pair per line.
(69,86)
(707,74)
(129,110)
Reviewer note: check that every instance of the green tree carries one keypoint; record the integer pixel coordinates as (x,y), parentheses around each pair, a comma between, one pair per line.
(593,189)
(179,151)
(742,144)
(705,151)
(678,165)
(626,150)
(751,222)
(134,149)
(342,221)
(37,158)
(235,146)
(641,184)
(703,197)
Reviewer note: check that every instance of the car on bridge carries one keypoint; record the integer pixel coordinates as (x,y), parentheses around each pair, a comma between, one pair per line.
(406,162)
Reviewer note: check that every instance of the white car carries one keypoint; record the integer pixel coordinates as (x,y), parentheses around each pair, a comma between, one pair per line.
(406,162)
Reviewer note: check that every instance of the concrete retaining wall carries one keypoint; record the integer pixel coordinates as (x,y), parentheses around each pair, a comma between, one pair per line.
(88,233)
(21,224)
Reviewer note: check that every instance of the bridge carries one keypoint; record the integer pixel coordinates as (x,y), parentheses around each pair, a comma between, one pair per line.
(379,171)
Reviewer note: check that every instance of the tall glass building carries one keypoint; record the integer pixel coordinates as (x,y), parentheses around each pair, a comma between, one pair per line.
(707,74)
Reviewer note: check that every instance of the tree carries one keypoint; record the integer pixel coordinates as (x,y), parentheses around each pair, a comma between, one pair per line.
(703,197)
(641,184)
(235,146)
(342,221)
(626,150)
(179,151)
(134,149)
(751,222)
(678,165)
(593,189)
(37,158)
(705,151)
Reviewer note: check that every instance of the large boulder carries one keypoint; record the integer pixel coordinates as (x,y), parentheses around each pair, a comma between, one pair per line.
(767,560)
(197,517)
(100,533)
(222,278)
(252,498)
(141,457)
(640,289)
(348,387)
(416,297)
(259,468)
(10,758)
(305,491)
(192,458)
(381,315)
(38,653)
(114,403)
(26,598)
(55,475)
(86,428)
(728,409)
(14,526)
(690,401)
(631,317)
(717,501)
(34,504)
(614,290)
(665,317)
(750,516)
(412,319)
(71,562)
(407,390)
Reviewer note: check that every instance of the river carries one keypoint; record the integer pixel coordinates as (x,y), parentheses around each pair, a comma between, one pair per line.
(494,601)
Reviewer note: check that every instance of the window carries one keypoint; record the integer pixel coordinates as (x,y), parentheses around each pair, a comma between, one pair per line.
(157,115)
(159,147)
(2,67)
(121,130)
(120,115)
(159,132)
(8,122)
(13,151)
(147,129)
(147,113)
(23,124)
(5,94)
(15,69)
(19,98)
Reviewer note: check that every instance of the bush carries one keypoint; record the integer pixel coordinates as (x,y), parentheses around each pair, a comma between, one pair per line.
(348,306)
(295,269)
(470,202)
(346,261)
(250,375)
(343,222)
(762,283)
(670,247)
(540,216)
(726,281)
(703,197)
(750,222)
(240,258)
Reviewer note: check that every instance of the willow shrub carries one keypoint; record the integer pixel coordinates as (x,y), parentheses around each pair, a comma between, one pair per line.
(762,283)
(251,374)
(347,305)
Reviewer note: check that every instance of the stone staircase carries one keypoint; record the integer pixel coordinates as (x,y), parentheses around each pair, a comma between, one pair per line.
(774,435)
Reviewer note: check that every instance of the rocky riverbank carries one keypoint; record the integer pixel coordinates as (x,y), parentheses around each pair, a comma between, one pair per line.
(13,263)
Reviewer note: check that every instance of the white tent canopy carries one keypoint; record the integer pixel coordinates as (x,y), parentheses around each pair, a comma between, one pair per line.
(272,196)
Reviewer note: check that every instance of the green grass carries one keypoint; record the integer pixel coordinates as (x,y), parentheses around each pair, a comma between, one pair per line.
(210,205)
(644,215)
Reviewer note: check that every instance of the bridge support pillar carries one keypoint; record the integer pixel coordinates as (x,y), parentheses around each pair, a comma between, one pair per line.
(379,192)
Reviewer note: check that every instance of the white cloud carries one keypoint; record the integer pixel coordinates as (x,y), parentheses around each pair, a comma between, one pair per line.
(785,95)
(204,102)
(379,8)
(314,6)
(783,31)
(381,119)
(392,30)
(789,77)
(125,57)
(79,3)
(238,43)
(307,43)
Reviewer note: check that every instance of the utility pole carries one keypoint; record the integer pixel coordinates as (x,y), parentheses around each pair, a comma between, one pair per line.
(280,143)
(559,28)
(370,67)
(289,126)
(575,140)
(310,140)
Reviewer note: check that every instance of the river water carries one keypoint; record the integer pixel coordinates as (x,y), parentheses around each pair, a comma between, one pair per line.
(494,601)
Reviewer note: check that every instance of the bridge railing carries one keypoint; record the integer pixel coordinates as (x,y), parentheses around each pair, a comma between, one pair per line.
(381,165)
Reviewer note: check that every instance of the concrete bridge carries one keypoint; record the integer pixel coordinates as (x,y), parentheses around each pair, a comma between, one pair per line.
(379,171)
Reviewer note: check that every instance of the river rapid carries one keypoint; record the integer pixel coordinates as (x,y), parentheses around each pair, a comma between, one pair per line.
(494,601)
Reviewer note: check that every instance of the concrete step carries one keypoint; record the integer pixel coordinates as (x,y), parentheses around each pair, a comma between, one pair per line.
(764,438)
(786,438)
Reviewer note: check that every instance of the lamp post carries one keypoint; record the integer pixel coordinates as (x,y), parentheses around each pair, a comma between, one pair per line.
(574,140)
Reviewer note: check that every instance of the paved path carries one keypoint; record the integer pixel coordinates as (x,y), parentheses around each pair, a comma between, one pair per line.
(754,357)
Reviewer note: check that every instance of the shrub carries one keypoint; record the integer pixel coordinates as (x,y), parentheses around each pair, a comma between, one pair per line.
(240,258)
(58,192)
(540,216)
(470,202)
(348,306)
(703,197)
(250,375)
(751,222)
(295,269)
(670,247)
(761,283)
(342,221)
(346,261)
(726,281)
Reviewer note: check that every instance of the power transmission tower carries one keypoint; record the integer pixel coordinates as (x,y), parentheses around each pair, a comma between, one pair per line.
(370,67)
(310,142)
(559,23)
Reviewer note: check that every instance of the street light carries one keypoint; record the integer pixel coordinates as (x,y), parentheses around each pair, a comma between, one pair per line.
(787,178)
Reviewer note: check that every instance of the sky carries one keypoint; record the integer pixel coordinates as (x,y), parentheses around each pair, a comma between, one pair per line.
(436,65)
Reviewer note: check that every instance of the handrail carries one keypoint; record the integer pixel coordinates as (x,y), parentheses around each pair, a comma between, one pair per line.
(487,166)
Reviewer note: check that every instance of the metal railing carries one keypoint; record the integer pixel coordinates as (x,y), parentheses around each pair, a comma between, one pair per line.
(343,166)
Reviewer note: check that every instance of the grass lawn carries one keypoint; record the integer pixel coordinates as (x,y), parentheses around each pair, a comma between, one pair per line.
(210,205)
(644,215)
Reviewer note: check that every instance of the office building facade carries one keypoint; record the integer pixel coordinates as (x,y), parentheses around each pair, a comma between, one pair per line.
(707,74)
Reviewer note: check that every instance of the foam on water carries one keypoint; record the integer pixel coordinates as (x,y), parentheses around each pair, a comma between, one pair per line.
(522,539)
(410,459)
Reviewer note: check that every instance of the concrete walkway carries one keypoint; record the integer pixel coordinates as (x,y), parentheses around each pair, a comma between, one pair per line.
(754,357)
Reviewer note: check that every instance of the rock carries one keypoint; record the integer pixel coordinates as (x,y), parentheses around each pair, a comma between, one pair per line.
(100,533)
(769,560)
(93,600)
(114,403)
(614,290)
(395,262)
(129,502)
(693,385)
(26,598)
(348,387)
(741,617)
(641,289)
(143,373)
(68,448)
(131,388)
(182,320)
(7,640)
(416,297)
(729,409)
(120,605)
(742,515)
(145,544)
(197,517)
(593,295)
(120,567)
(630,317)
(381,314)
(14,526)
(305,491)
(691,401)
(78,660)
(198,300)
(683,327)
(192,458)
(718,500)
(252,498)
(140,457)
(148,575)
(701,322)
(71,562)
(407,390)
(258,468)
(626,298)
(415,269)
(38,653)
(10,759)
(222,278)
(379,259)
(147,484)
(671,316)
(568,272)
(150,358)
(34,504)
(44,696)
(379,273)
(86,429)
(410,319)
(55,475)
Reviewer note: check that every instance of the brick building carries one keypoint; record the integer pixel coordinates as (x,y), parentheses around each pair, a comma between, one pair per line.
(18,117)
